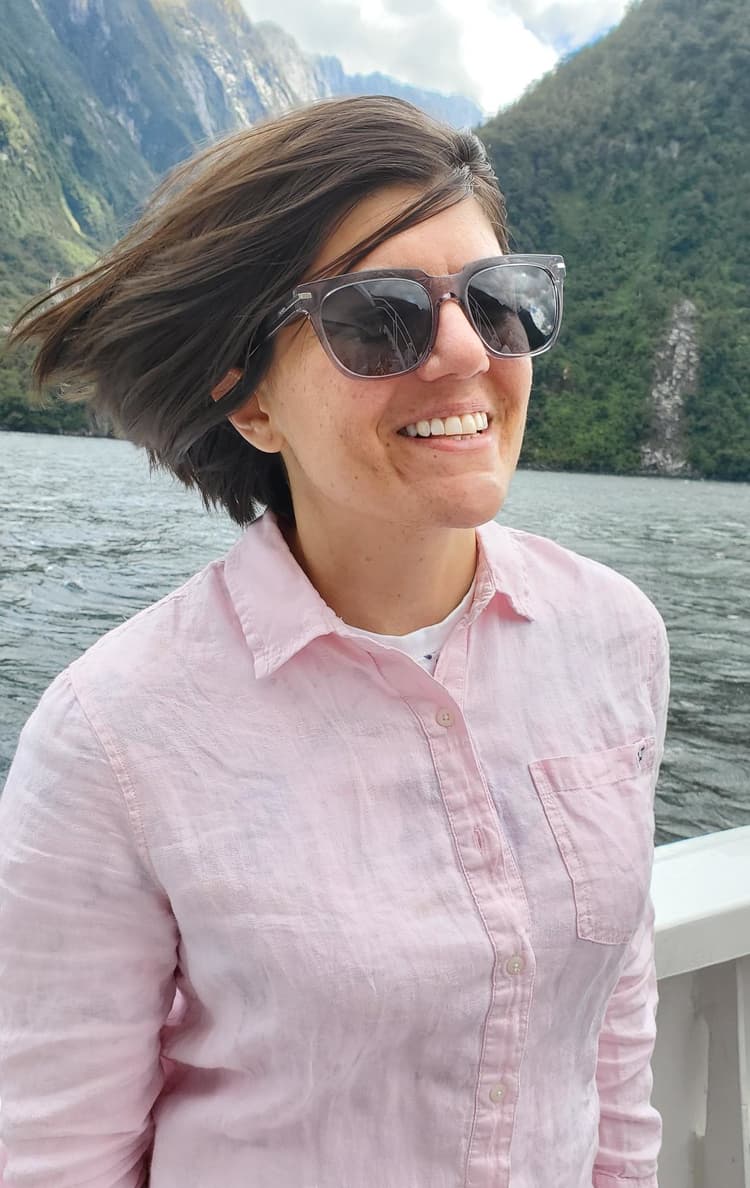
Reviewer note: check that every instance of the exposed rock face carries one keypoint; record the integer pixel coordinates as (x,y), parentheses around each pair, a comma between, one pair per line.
(675,377)
(175,73)
(453,109)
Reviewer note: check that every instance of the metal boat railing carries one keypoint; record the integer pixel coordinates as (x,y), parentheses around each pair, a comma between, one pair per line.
(701,1064)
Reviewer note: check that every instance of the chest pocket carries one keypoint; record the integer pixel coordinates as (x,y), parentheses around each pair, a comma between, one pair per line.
(599,805)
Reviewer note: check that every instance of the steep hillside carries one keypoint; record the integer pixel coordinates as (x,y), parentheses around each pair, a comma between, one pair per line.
(462,113)
(632,158)
(98,98)
(70,178)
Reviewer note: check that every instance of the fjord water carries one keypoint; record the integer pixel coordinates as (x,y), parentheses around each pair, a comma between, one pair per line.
(89,537)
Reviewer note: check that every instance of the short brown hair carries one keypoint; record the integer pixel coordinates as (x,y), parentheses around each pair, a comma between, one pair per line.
(148,331)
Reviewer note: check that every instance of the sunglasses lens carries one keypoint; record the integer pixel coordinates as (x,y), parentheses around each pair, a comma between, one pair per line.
(514,308)
(377,327)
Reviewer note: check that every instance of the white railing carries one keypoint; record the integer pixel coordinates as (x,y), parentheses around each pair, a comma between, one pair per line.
(701,894)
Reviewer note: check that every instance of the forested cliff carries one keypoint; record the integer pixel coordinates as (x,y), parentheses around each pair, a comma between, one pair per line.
(98,98)
(631,158)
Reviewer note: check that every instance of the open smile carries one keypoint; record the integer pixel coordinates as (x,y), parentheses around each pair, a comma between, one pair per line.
(470,431)
(467,425)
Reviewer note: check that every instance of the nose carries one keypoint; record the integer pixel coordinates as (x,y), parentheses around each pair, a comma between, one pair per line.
(458,350)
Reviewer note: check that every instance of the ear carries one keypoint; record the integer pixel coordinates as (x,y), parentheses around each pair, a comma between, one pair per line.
(251,420)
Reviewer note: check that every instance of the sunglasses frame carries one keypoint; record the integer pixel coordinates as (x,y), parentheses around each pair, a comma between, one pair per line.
(307,300)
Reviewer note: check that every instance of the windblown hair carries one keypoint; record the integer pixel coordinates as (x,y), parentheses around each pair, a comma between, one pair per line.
(145,334)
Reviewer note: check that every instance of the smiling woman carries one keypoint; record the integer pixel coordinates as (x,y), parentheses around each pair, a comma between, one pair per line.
(355,473)
(333,866)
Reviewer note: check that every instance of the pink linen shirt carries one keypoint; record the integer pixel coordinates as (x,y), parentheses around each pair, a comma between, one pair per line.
(279,909)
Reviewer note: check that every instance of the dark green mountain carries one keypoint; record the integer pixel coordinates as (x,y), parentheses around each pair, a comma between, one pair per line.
(98,98)
(632,159)
(70,176)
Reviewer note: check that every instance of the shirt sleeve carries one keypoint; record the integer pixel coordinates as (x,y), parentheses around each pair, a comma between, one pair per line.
(87,960)
(630,1128)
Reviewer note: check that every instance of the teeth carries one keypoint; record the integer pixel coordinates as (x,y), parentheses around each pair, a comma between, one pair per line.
(449,427)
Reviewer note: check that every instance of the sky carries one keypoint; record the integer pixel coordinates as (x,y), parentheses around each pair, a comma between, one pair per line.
(487,50)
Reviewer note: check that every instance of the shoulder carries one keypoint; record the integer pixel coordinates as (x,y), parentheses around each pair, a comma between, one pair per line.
(562,581)
(186,631)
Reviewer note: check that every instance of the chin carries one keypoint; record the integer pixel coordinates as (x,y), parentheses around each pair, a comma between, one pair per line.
(477,507)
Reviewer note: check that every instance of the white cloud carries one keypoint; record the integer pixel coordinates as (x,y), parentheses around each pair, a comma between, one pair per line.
(572,22)
(488,50)
(503,55)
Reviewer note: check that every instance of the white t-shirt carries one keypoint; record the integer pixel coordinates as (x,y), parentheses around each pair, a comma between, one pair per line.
(424,644)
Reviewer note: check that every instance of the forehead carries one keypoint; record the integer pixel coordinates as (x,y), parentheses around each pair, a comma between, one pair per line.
(442,243)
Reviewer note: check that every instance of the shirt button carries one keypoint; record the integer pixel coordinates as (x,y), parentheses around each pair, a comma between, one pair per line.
(497,1092)
(514,965)
(444,717)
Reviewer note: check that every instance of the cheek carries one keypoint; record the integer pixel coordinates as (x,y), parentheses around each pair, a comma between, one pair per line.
(330,431)
(329,422)
(519,381)
(512,379)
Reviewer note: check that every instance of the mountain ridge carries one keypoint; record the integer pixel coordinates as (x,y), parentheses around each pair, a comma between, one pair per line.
(631,158)
(97,101)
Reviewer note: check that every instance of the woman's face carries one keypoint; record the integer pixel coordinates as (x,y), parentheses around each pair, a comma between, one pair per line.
(342,439)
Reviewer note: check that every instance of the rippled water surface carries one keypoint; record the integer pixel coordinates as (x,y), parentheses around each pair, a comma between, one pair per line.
(89,538)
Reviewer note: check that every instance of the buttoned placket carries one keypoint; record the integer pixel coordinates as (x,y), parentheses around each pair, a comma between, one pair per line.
(493,881)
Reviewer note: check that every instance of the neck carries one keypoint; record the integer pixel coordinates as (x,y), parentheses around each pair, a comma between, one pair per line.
(386,578)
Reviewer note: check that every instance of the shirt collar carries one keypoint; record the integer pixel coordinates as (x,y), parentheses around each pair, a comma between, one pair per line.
(280,610)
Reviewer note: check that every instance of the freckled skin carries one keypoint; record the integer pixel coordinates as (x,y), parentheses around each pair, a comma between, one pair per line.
(371,506)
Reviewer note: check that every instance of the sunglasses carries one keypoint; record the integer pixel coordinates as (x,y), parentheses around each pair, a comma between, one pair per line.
(382,323)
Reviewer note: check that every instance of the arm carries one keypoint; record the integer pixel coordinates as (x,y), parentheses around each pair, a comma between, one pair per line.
(87,957)
(630,1128)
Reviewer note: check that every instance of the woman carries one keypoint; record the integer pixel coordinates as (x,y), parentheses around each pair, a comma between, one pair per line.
(373,793)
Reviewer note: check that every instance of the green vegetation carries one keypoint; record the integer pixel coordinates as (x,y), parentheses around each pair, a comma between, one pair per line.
(632,159)
(70,180)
